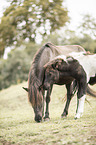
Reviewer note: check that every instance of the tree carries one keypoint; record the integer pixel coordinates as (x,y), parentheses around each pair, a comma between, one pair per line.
(66,36)
(25,19)
(15,69)
(88,26)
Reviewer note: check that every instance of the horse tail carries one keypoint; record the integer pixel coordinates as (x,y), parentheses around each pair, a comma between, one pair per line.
(91,92)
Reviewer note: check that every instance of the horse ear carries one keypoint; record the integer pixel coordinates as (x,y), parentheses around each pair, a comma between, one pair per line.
(57,64)
(54,66)
(26,89)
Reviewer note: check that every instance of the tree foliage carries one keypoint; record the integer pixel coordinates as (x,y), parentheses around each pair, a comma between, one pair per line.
(15,69)
(25,19)
(88,26)
(68,37)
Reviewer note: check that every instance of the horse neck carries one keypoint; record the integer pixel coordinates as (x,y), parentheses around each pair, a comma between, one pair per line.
(43,56)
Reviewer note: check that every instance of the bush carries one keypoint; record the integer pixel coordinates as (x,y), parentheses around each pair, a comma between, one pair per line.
(15,69)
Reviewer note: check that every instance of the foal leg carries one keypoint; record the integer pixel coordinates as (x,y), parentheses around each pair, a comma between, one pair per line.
(43,102)
(69,97)
(47,103)
(80,107)
(81,98)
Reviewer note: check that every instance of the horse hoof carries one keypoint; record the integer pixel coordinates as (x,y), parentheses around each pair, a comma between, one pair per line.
(75,118)
(78,115)
(46,119)
(63,116)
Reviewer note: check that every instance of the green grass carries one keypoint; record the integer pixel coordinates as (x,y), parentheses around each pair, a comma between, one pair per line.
(17,125)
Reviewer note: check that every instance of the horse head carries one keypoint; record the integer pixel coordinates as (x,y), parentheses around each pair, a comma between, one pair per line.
(51,73)
(35,96)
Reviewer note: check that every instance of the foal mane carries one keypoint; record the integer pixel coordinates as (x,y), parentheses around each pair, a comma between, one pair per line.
(36,69)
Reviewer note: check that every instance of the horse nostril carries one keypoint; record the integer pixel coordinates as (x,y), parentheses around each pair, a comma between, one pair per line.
(38,118)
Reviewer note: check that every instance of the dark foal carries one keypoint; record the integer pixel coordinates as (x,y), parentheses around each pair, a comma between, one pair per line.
(61,71)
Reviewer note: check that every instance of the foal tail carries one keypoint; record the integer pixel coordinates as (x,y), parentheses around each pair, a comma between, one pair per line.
(91,92)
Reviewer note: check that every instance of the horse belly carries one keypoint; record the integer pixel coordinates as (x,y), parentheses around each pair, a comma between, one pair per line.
(65,80)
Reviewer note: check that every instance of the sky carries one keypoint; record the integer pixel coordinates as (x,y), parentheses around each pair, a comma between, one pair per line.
(77,8)
(3,4)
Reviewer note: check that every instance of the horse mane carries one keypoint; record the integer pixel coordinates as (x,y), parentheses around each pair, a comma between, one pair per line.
(33,78)
(37,57)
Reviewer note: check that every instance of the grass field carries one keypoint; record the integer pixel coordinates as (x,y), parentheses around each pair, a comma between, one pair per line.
(17,125)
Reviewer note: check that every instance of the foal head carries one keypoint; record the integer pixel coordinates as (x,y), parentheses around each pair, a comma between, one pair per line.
(51,73)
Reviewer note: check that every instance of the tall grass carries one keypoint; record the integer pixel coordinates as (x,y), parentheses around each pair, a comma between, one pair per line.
(17,125)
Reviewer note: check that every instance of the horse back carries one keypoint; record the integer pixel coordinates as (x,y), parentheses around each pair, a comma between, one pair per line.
(66,49)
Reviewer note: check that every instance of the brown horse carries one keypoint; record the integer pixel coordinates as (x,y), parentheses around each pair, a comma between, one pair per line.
(63,70)
(44,55)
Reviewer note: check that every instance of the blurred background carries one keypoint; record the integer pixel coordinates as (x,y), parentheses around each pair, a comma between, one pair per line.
(26,25)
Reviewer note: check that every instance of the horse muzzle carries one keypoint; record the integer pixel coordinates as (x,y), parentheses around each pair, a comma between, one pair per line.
(46,86)
(38,118)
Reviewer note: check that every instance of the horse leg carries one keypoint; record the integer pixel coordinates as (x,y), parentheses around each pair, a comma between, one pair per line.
(69,88)
(47,103)
(81,98)
(80,107)
(43,103)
